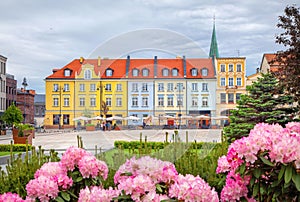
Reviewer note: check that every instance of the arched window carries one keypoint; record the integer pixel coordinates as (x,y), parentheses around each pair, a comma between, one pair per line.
(135,72)
(194,72)
(109,72)
(174,72)
(87,74)
(145,72)
(165,72)
(204,72)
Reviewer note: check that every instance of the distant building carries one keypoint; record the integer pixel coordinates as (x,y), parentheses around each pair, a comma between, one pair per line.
(25,102)
(11,90)
(2,84)
(39,109)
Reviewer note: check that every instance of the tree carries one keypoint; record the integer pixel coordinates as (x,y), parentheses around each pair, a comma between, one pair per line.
(12,115)
(265,102)
(104,108)
(288,61)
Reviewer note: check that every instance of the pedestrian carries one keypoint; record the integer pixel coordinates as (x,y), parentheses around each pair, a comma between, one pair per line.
(103,126)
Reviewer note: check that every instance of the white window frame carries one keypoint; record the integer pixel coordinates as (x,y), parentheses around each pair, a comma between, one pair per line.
(119,87)
(92,87)
(135,72)
(108,87)
(93,102)
(160,101)
(82,102)
(195,87)
(170,101)
(145,72)
(239,81)
(82,87)
(204,101)
(194,72)
(108,101)
(230,68)
(194,101)
(66,102)
(119,101)
(204,72)
(87,74)
(160,87)
(55,87)
(55,102)
(223,68)
(165,72)
(144,87)
(174,72)
(135,87)
(135,101)
(67,72)
(205,87)
(238,67)
(230,81)
(109,72)
(145,101)
(222,81)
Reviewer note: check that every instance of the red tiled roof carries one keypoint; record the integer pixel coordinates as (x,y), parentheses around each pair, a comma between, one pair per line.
(74,66)
(119,67)
(170,64)
(140,64)
(199,64)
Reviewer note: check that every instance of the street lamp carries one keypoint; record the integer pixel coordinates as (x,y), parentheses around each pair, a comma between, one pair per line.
(24,84)
(180,89)
(100,89)
(60,101)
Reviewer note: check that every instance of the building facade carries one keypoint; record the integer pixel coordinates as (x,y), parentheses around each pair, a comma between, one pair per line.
(2,84)
(25,102)
(231,83)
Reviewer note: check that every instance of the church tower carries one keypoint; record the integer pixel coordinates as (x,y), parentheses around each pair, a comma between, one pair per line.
(214,51)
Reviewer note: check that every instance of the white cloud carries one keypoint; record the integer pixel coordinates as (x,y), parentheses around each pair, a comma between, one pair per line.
(37,36)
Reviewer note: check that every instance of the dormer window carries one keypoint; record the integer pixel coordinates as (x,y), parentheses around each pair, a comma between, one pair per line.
(194,72)
(165,72)
(174,72)
(109,72)
(204,72)
(135,72)
(67,72)
(145,72)
(87,74)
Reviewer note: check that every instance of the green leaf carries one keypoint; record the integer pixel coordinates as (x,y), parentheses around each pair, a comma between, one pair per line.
(257,172)
(79,179)
(72,194)
(288,174)
(281,172)
(66,196)
(296,180)
(158,187)
(242,168)
(59,199)
(255,190)
(266,161)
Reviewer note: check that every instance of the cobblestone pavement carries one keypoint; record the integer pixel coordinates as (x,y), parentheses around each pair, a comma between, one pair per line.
(61,139)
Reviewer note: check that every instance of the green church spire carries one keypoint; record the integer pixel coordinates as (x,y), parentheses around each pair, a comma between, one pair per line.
(214,51)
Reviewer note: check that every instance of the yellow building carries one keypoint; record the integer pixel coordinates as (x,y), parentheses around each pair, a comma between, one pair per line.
(231,83)
(78,88)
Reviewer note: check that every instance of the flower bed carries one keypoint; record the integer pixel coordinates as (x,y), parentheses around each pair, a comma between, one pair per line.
(263,166)
(79,176)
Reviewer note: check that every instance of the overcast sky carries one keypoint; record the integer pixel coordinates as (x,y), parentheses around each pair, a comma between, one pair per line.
(37,36)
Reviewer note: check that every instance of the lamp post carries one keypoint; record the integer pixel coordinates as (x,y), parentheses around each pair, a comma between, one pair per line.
(100,88)
(180,89)
(60,101)
(24,84)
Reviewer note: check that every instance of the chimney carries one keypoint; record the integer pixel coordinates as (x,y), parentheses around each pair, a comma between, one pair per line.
(81,60)
(54,70)
(155,66)
(127,65)
(184,66)
(99,61)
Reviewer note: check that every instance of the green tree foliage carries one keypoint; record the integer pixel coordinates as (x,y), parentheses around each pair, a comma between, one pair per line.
(288,61)
(265,102)
(12,115)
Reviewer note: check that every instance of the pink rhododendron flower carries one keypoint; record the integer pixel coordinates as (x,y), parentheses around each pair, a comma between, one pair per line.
(138,186)
(90,166)
(10,197)
(235,187)
(97,194)
(190,188)
(42,188)
(72,156)
(157,170)
(223,165)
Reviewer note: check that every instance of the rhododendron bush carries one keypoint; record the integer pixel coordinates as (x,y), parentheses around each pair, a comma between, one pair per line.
(79,176)
(265,166)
